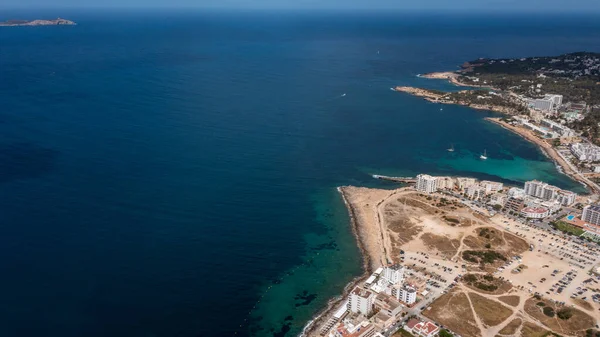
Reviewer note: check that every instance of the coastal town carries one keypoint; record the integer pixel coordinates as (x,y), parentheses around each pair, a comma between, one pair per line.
(455,256)
(458,256)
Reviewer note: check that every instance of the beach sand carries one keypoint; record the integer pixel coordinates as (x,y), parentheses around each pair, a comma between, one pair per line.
(549,151)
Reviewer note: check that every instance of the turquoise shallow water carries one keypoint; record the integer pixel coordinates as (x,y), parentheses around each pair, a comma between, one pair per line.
(174,174)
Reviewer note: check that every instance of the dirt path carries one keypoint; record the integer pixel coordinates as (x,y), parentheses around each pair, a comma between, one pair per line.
(480,325)
(460,248)
(385,236)
(518,312)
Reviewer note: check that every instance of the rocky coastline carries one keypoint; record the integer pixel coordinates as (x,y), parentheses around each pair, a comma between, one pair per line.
(312,326)
(435,97)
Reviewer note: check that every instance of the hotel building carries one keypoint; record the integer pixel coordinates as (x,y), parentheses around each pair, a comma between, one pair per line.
(426,183)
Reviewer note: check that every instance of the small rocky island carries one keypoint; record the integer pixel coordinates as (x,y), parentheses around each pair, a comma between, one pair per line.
(56,22)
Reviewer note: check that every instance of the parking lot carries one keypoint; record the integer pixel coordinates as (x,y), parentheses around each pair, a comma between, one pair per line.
(556,268)
(436,274)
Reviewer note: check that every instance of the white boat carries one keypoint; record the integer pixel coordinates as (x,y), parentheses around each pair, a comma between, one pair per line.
(393,89)
(451,149)
(344,95)
(484,155)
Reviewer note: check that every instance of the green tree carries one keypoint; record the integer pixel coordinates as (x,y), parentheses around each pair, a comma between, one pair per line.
(548,311)
(564,313)
(445,333)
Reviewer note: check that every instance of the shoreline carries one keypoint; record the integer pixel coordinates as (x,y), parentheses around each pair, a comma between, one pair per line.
(370,240)
(562,165)
(317,320)
(548,151)
(368,259)
(452,77)
(434,97)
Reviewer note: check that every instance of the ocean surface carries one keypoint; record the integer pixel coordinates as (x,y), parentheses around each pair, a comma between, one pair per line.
(173,173)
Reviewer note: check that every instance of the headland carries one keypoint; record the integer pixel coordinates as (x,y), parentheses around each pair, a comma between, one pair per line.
(462,256)
(457,256)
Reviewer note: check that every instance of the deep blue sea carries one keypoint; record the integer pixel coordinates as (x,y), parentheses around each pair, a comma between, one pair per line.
(173,173)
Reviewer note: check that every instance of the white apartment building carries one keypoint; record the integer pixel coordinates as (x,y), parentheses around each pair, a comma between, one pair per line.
(547,192)
(546,104)
(361,301)
(542,104)
(498,199)
(393,274)
(463,183)
(491,186)
(550,192)
(534,188)
(591,214)
(475,192)
(585,152)
(541,190)
(566,198)
(426,183)
(556,100)
(515,192)
(445,183)
(407,295)
(561,129)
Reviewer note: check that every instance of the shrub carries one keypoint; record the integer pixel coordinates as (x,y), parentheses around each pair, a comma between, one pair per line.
(488,246)
(488,277)
(470,278)
(564,313)
(452,220)
(445,333)
(548,311)
(540,304)
(486,287)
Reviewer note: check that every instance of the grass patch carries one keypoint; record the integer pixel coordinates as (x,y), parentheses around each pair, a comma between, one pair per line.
(532,330)
(487,283)
(567,228)
(571,321)
(402,333)
(511,328)
(482,256)
(490,312)
(453,311)
(511,300)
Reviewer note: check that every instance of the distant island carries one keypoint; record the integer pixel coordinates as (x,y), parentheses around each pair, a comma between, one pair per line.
(57,22)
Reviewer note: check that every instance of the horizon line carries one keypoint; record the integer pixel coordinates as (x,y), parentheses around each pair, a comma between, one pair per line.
(384,10)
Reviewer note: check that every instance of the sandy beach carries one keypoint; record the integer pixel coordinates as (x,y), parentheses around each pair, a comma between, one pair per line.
(451,76)
(549,151)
